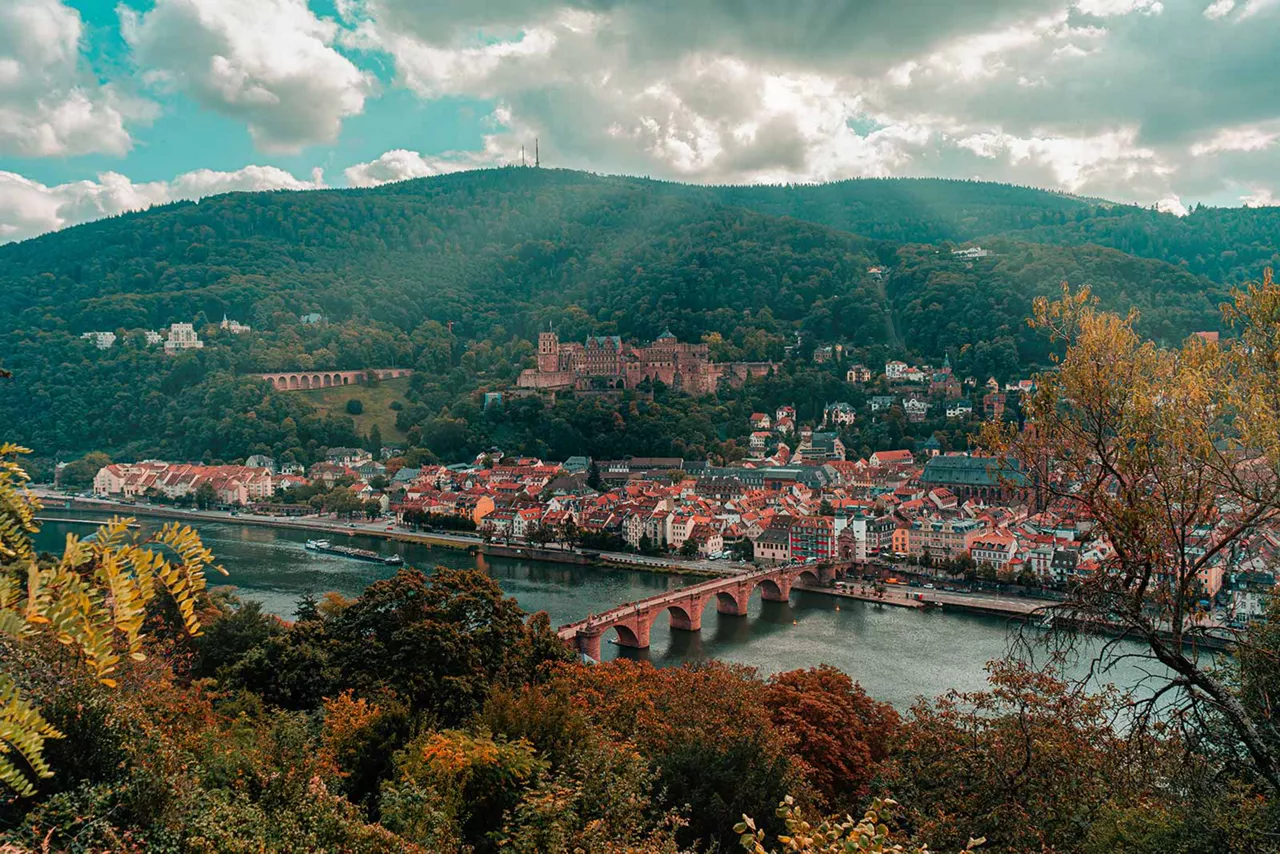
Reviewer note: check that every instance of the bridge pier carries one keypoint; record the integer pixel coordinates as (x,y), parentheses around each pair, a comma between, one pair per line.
(687,620)
(588,642)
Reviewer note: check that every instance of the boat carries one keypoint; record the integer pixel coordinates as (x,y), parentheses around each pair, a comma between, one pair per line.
(327,547)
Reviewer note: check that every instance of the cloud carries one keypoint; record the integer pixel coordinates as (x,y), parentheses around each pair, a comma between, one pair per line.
(29,208)
(1049,91)
(50,103)
(1259,197)
(269,63)
(1246,138)
(401,165)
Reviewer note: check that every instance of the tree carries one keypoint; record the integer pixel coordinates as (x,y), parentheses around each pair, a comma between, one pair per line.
(80,473)
(594,480)
(94,599)
(375,439)
(689,548)
(841,734)
(833,836)
(206,495)
(1175,455)
(354,406)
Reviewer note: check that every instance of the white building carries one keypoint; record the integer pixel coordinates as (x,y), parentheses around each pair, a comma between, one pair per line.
(101,340)
(182,336)
(970,253)
(895,370)
(153,337)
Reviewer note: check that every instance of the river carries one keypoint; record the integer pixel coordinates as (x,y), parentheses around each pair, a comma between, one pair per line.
(897,654)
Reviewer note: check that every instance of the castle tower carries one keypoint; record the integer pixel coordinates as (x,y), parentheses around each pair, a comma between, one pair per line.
(548,352)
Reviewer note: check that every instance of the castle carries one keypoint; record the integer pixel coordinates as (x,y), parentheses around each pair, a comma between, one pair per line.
(605,362)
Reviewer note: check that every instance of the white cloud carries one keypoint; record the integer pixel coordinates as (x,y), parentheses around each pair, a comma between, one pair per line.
(1259,197)
(1245,138)
(29,208)
(1219,9)
(1172,204)
(1074,163)
(50,104)
(1109,8)
(269,63)
(401,165)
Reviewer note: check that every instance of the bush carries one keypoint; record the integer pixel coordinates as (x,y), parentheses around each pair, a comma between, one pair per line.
(354,407)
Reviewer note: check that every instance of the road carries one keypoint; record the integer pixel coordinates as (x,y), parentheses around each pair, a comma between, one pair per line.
(382,529)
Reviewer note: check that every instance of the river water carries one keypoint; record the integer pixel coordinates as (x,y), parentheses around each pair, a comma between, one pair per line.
(896,653)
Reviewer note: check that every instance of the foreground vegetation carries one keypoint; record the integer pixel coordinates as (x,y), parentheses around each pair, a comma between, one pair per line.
(430,714)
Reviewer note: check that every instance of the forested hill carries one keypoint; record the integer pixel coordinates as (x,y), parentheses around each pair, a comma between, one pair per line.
(518,247)
(455,274)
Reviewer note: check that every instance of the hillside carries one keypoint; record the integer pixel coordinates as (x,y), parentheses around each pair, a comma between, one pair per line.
(454,275)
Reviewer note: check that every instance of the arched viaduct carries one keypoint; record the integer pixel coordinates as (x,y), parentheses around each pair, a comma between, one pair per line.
(302,380)
(684,606)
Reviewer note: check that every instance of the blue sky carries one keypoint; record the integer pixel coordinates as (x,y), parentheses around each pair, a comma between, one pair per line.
(106,107)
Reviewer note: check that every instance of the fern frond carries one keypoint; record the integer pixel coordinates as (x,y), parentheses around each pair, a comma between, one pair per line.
(23,732)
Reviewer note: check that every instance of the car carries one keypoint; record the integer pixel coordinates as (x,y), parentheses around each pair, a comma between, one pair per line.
(928,585)
(391,527)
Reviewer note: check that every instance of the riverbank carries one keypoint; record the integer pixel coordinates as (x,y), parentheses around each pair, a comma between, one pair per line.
(461,542)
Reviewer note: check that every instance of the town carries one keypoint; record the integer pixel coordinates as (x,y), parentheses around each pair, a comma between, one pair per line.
(931,513)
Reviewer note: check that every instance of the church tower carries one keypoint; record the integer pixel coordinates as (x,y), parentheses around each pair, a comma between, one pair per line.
(548,352)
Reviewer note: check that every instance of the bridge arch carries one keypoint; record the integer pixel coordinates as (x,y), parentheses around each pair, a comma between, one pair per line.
(293,381)
(627,637)
(688,619)
(775,590)
(315,381)
(809,576)
(328,380)
(733,602)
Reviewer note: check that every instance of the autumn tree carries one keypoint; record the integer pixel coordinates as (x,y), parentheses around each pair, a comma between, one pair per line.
(1173,455)
(840,733)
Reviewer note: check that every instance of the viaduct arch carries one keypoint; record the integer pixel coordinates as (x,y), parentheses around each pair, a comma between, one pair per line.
(305,380)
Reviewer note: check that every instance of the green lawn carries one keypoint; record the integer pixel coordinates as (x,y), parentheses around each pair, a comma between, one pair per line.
(377,399)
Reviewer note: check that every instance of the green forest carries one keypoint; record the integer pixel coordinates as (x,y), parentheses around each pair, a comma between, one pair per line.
(454,276)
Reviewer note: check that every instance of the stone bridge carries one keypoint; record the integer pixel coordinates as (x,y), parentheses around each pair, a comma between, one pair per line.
(300,380)
(684,606)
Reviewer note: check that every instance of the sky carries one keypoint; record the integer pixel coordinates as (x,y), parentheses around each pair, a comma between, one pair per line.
(111,106)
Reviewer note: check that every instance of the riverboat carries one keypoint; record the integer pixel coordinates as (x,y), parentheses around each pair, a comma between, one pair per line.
(327,547)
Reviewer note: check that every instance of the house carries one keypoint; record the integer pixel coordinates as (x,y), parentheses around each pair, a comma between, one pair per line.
(235,327)
(993,406)
(995,548)
(772,546)
(917,410)
(101,340)
(152,337)
(182,336)
(931,447)
(892,458)
(813,537)
(961,408)
(784,412)
(785,425)
(970,253)
(820,446)
(838,414)
(260,461)
(313,319)
(760,421)
(827,353)
(913,375)
(943,539)
(858,375)
(882,402)
(347,456)
(758,441)
(709,540)
(895,370)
